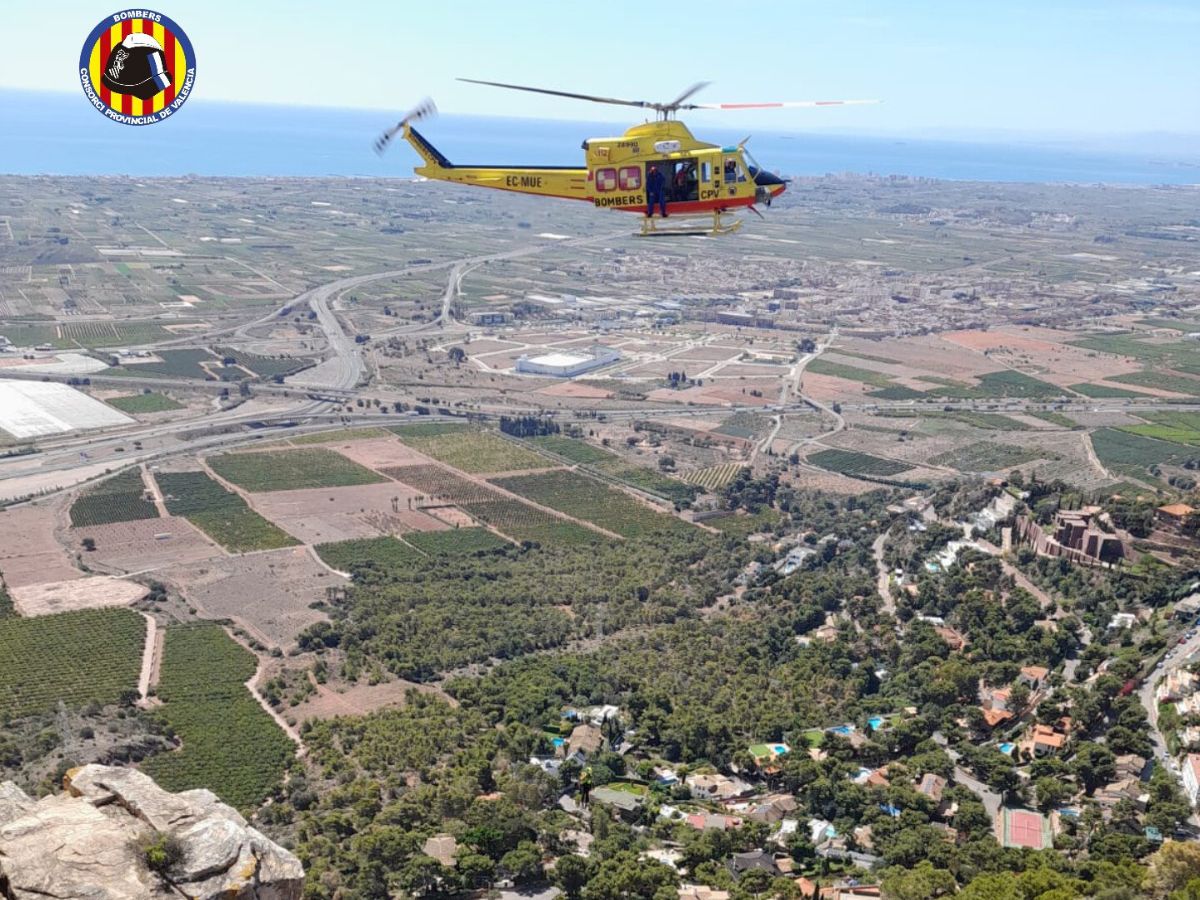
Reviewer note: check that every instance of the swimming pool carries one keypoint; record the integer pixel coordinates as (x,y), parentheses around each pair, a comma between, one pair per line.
(778,749)
(558,742)
(1007,747)
(876,722)
(842,729)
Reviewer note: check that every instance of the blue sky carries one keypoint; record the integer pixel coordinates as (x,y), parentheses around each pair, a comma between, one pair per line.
(1060,68)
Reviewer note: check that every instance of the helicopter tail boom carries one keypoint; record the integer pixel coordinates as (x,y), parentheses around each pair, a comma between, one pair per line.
(545,181)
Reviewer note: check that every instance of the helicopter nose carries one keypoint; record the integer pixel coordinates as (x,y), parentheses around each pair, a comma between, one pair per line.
(768,182)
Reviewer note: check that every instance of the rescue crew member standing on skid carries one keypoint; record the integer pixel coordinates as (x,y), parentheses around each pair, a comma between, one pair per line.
(656,191)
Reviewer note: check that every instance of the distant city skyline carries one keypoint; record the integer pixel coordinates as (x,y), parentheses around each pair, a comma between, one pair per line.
(1056,70)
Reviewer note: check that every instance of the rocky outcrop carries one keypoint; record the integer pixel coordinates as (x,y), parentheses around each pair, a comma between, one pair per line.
(88,844)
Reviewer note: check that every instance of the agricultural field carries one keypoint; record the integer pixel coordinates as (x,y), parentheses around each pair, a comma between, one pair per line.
(1055,418)
(221,514)
(1178,427)
(744,525)
(607,463)
(986,456)
(456,541)
(147,402)
(74,657)
(90,335)
(380,552)
(997,385)
(429,429)
(117,499)
(712,478)
(1104,392)
(820,366)
(592,501)
(746,425)
(576,451)
(1163,381)
(343,434)
(230,745)
(7,610)
(850,462)
(1135,454)
(288,470)
(174,364)
(508,515)
(265,366)
(897,392)
(476,451)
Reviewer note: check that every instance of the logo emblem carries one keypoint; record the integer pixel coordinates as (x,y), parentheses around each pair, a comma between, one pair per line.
(137,67)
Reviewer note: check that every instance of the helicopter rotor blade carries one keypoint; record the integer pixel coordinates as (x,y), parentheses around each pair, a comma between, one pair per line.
(422,110)
(677,103)
(784,104)
(645,104)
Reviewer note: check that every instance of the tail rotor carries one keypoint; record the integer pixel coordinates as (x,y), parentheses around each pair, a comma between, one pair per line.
(423,110)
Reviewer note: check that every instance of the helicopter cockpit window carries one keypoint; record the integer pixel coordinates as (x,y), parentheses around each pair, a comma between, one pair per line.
(733,170)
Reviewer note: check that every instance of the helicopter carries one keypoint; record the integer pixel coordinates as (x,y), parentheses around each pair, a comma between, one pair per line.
(697,179)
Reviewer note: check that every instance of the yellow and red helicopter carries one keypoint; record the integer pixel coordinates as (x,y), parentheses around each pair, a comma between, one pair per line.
(656,161)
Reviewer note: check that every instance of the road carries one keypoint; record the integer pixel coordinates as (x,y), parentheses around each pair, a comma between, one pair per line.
(883,575)
(1180,656)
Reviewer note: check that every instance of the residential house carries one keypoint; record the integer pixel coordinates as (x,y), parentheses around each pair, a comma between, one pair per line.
(1046,740)
(1122,621)
(994,717)
(1173,516)
(773,809)
(1131,789)
(585,741)
(1178,684)
(1191,777)
(701,892)
(741,863)
(715,786)
(705,820)
(443,848)
(997,699)
(627,804)
(1033,677)
(932,786)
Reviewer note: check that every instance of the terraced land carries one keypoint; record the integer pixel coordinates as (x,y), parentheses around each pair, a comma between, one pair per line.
(287,470)
(380,552)
(986,456)
(230,745)
(92,655)
(144,403)
(851,462)
(221,514)
(476,452)
(518,520)
(117,499)
(592,501)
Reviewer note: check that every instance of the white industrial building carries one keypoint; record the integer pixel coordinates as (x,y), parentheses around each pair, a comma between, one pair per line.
(568,364)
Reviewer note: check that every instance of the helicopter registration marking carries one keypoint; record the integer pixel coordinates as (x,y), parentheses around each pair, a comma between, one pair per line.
(525,181)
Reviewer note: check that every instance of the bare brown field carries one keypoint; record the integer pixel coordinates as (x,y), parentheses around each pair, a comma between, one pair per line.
(268,593)
(830,387)
(807,479)
(752,370)
(133,547)
(484,345)
(360,699)
(707,354)
(376,452)
(576,389)
(95,592)
(29,552)
(930,353)
(325,515)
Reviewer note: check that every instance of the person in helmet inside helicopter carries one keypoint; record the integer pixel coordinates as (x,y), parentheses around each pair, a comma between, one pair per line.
(136,67)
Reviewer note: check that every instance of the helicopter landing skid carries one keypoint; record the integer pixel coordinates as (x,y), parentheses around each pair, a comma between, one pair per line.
(720,223)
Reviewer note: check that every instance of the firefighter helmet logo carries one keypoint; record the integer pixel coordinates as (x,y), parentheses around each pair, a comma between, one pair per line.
(137,67)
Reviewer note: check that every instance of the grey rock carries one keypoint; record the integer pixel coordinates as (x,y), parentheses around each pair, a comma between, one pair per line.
(85,844)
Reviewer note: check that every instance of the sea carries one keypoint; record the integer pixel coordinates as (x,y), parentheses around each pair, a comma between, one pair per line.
(61,134)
